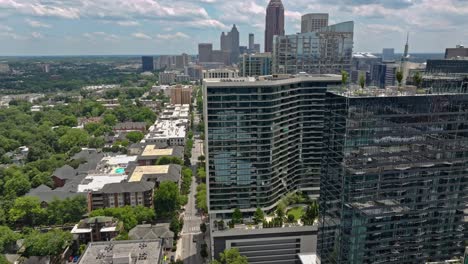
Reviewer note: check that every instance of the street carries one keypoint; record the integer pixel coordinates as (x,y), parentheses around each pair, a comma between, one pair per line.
(188,247)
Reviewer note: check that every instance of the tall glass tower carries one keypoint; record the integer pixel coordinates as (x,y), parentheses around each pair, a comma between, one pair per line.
(264,139)
(394,186)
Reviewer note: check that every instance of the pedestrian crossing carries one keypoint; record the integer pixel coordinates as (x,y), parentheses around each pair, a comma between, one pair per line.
(191,230)
(191,217)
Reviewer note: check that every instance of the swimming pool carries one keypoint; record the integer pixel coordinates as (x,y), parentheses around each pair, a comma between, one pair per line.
(120,170)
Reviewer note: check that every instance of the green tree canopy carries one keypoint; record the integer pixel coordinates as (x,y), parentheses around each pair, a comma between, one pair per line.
(7,237)
(51,243)
(231,256)
(70,210)
(130,216)
(167,199)
(73,138)
(135,136)
(259,216)
(237,216)
(27,211)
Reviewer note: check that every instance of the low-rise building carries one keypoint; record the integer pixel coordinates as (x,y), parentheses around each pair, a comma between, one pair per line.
(45,194)
(123,252)
(121,194)
(62,175)
(95,182)
(167,133)
(167,77)
(99,228)
(267,245)
(148,231)
(176,112)
(151,154)
(156,173)
(130,126)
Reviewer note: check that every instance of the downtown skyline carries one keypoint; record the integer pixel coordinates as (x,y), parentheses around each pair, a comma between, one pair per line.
(82,27)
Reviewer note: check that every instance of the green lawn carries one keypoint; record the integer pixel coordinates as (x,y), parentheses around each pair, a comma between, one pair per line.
(297,212)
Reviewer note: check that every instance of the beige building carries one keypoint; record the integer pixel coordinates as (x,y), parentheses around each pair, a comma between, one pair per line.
(181,94)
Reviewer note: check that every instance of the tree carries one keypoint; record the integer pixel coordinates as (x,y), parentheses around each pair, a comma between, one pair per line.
(399,77)
(291,218)
(259,216)
(70,121)
(17,185)
(167,199)
(51,243)
(344,78)
(201,198)
(27,211)
(69,210)
(362,81)
(110,119)
(201,173)
(73,138)
(204,250)
(176,225)
(130,216)
(135,136)
(311,213)
(417,79)
(232,256)
(96,142)
(203,227)
(201,158)
(166,160)
(237,216)
(7,237)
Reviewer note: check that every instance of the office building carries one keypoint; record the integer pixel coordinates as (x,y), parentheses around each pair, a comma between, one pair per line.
(453,66)
(163,62)
(458,51)
(194,71)
(313,22)
(123,252)
(243,50)
(221,56)
(274,23)
(394,183)
(257,48)
(383,74)
(122,194)
(328,50)
(264,140)
(167,77)
(147,63)
(258,64)
(251,41)
(181,61)
(204,52)
(181,94)
(220,74)
(230,43)
(388,55)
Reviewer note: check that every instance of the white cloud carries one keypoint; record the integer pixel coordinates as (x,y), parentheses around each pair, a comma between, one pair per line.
(37,24)
(140,35)
(37,35)
(177,35)
(100,36)
(128,23)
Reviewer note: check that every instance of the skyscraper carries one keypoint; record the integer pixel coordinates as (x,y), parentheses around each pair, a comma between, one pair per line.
(258,64)
(394,183)
(388,55)
(313,22)
(234,39)
(230,43)
(264,140)
(328,50)
(251,41)
(204,52)
(274,23)
(147,63)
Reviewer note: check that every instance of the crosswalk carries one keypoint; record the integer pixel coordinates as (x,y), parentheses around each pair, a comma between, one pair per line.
(191,230)
(191,217)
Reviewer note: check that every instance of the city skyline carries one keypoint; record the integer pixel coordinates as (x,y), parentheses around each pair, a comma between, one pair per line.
(36,27)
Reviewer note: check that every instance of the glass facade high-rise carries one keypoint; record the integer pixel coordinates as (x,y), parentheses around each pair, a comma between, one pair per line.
(258,64)
(329,50)
(394,185)
(313,22)
(264,139)
(147,63)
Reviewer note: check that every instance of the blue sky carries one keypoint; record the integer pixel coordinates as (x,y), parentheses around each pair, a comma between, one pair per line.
(75,27)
